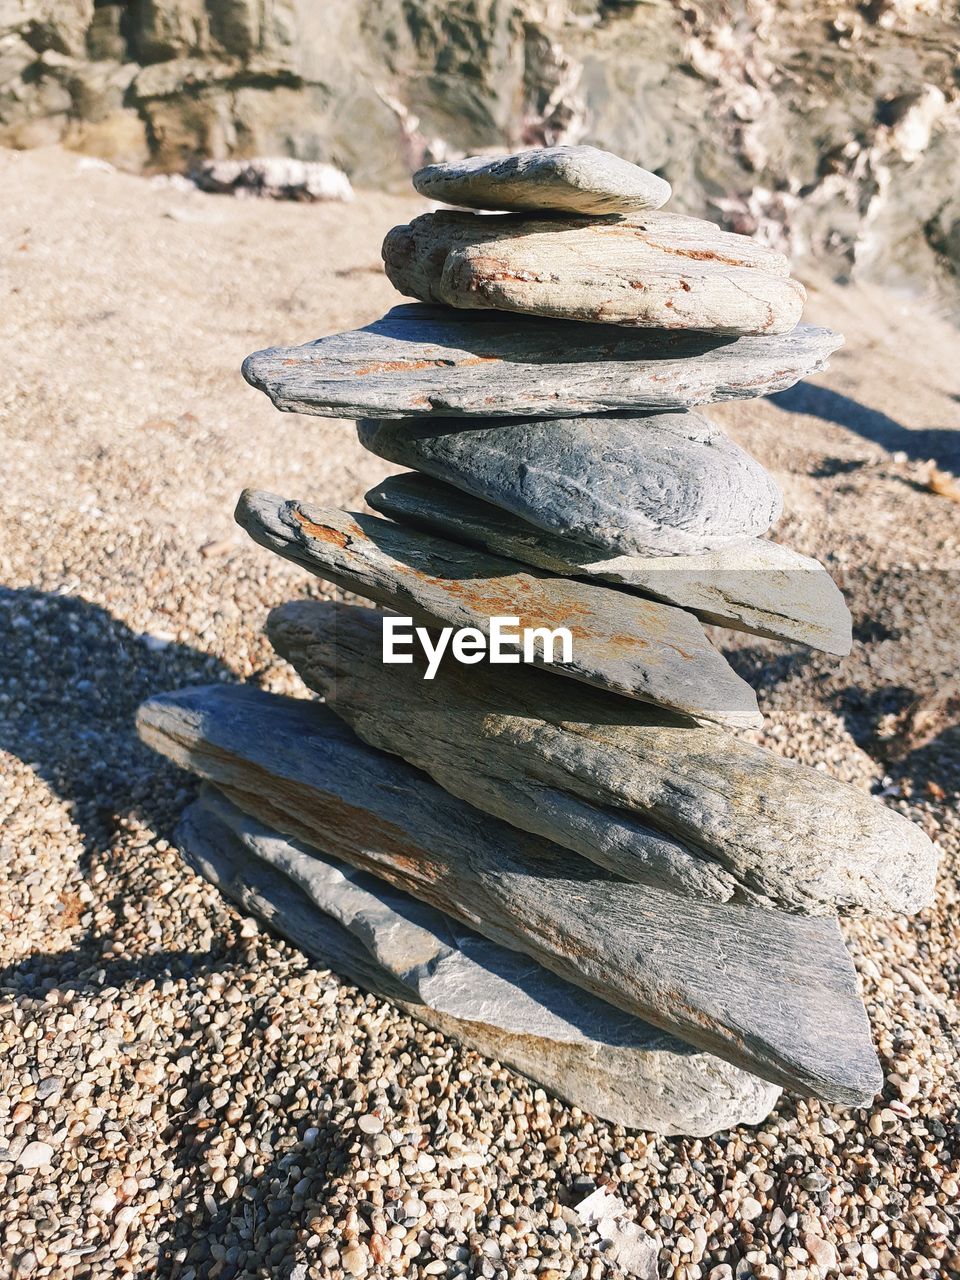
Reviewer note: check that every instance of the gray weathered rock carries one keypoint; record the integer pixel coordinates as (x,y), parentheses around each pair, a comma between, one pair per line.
(652,270)
(773,993)
(632,788)
(274,177)
(657,484)
(756,586)
(622,642)
(420,360)
(569,179)
(495,1000)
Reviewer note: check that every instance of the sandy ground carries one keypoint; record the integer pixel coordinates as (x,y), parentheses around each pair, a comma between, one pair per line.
(197,1083)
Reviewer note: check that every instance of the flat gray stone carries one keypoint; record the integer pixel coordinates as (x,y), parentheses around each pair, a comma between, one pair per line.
(632,788)
(755,586)
(658,484)
(775,994)
(566,179)
(420,360)
(651,270)
(635,647)
(496,1001)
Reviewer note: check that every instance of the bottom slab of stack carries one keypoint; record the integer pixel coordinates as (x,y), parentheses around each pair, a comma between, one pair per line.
(494,1000)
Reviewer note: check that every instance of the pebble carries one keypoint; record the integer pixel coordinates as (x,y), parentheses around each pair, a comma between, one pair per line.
(35,1155)
(821,1251)
(750,1209)
(355,1260)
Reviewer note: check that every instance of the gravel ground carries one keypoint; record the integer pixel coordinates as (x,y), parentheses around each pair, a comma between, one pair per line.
(182,1094)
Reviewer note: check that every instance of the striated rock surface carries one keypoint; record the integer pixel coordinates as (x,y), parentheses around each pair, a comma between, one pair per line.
(634,789)
(567,179)
(773,993)
(640,484)
(756,586)
(653,270)
(497,1001)
(422,360)
(632,646)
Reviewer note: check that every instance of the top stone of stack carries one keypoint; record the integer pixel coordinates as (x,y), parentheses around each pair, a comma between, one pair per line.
(561,179)
(585,240)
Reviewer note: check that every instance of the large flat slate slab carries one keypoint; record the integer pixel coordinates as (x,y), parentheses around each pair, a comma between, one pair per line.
(651,270)
(757,586)
(497,1001)
(636,484)
(606,778)
(567,179)
(773,993)
(636,647)
(420,359)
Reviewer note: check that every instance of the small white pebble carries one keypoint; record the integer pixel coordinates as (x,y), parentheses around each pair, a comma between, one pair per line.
(104,1201)
(355,1260)
(35,1155)
(750,1209)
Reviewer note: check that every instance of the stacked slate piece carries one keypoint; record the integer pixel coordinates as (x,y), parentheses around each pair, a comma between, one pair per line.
(577,867)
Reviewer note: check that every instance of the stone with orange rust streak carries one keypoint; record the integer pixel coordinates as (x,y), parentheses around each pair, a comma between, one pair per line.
(420,359)
(638,790)
(773,993)
(632,484)
(652,270)
(622,642)
(758,586)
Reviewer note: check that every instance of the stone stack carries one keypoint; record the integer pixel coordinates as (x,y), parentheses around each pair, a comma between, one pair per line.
(591,878)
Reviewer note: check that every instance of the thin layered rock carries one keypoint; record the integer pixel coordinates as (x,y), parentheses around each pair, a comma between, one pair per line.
(422,360)
(564,179)
(496,1001)
(755,586)
(652,797)
(636,647)
(651,270)
(638,484)
(773,993)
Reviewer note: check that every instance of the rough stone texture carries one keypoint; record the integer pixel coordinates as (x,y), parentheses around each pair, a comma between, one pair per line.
(775,994)
(653,270)
(756,586)
(421,360)
(569,179)
(635,647)
(645,484)
(596,774)
(494,1000)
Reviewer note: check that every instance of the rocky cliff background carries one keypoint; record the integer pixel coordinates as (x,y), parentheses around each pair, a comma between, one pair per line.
(831,130)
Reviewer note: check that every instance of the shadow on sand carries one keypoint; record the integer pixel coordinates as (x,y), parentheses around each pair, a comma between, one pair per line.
(942,445)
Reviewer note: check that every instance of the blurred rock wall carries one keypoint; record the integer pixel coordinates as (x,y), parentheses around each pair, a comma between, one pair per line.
(831,130)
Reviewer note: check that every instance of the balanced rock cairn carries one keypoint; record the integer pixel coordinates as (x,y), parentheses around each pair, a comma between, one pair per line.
(593,879)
